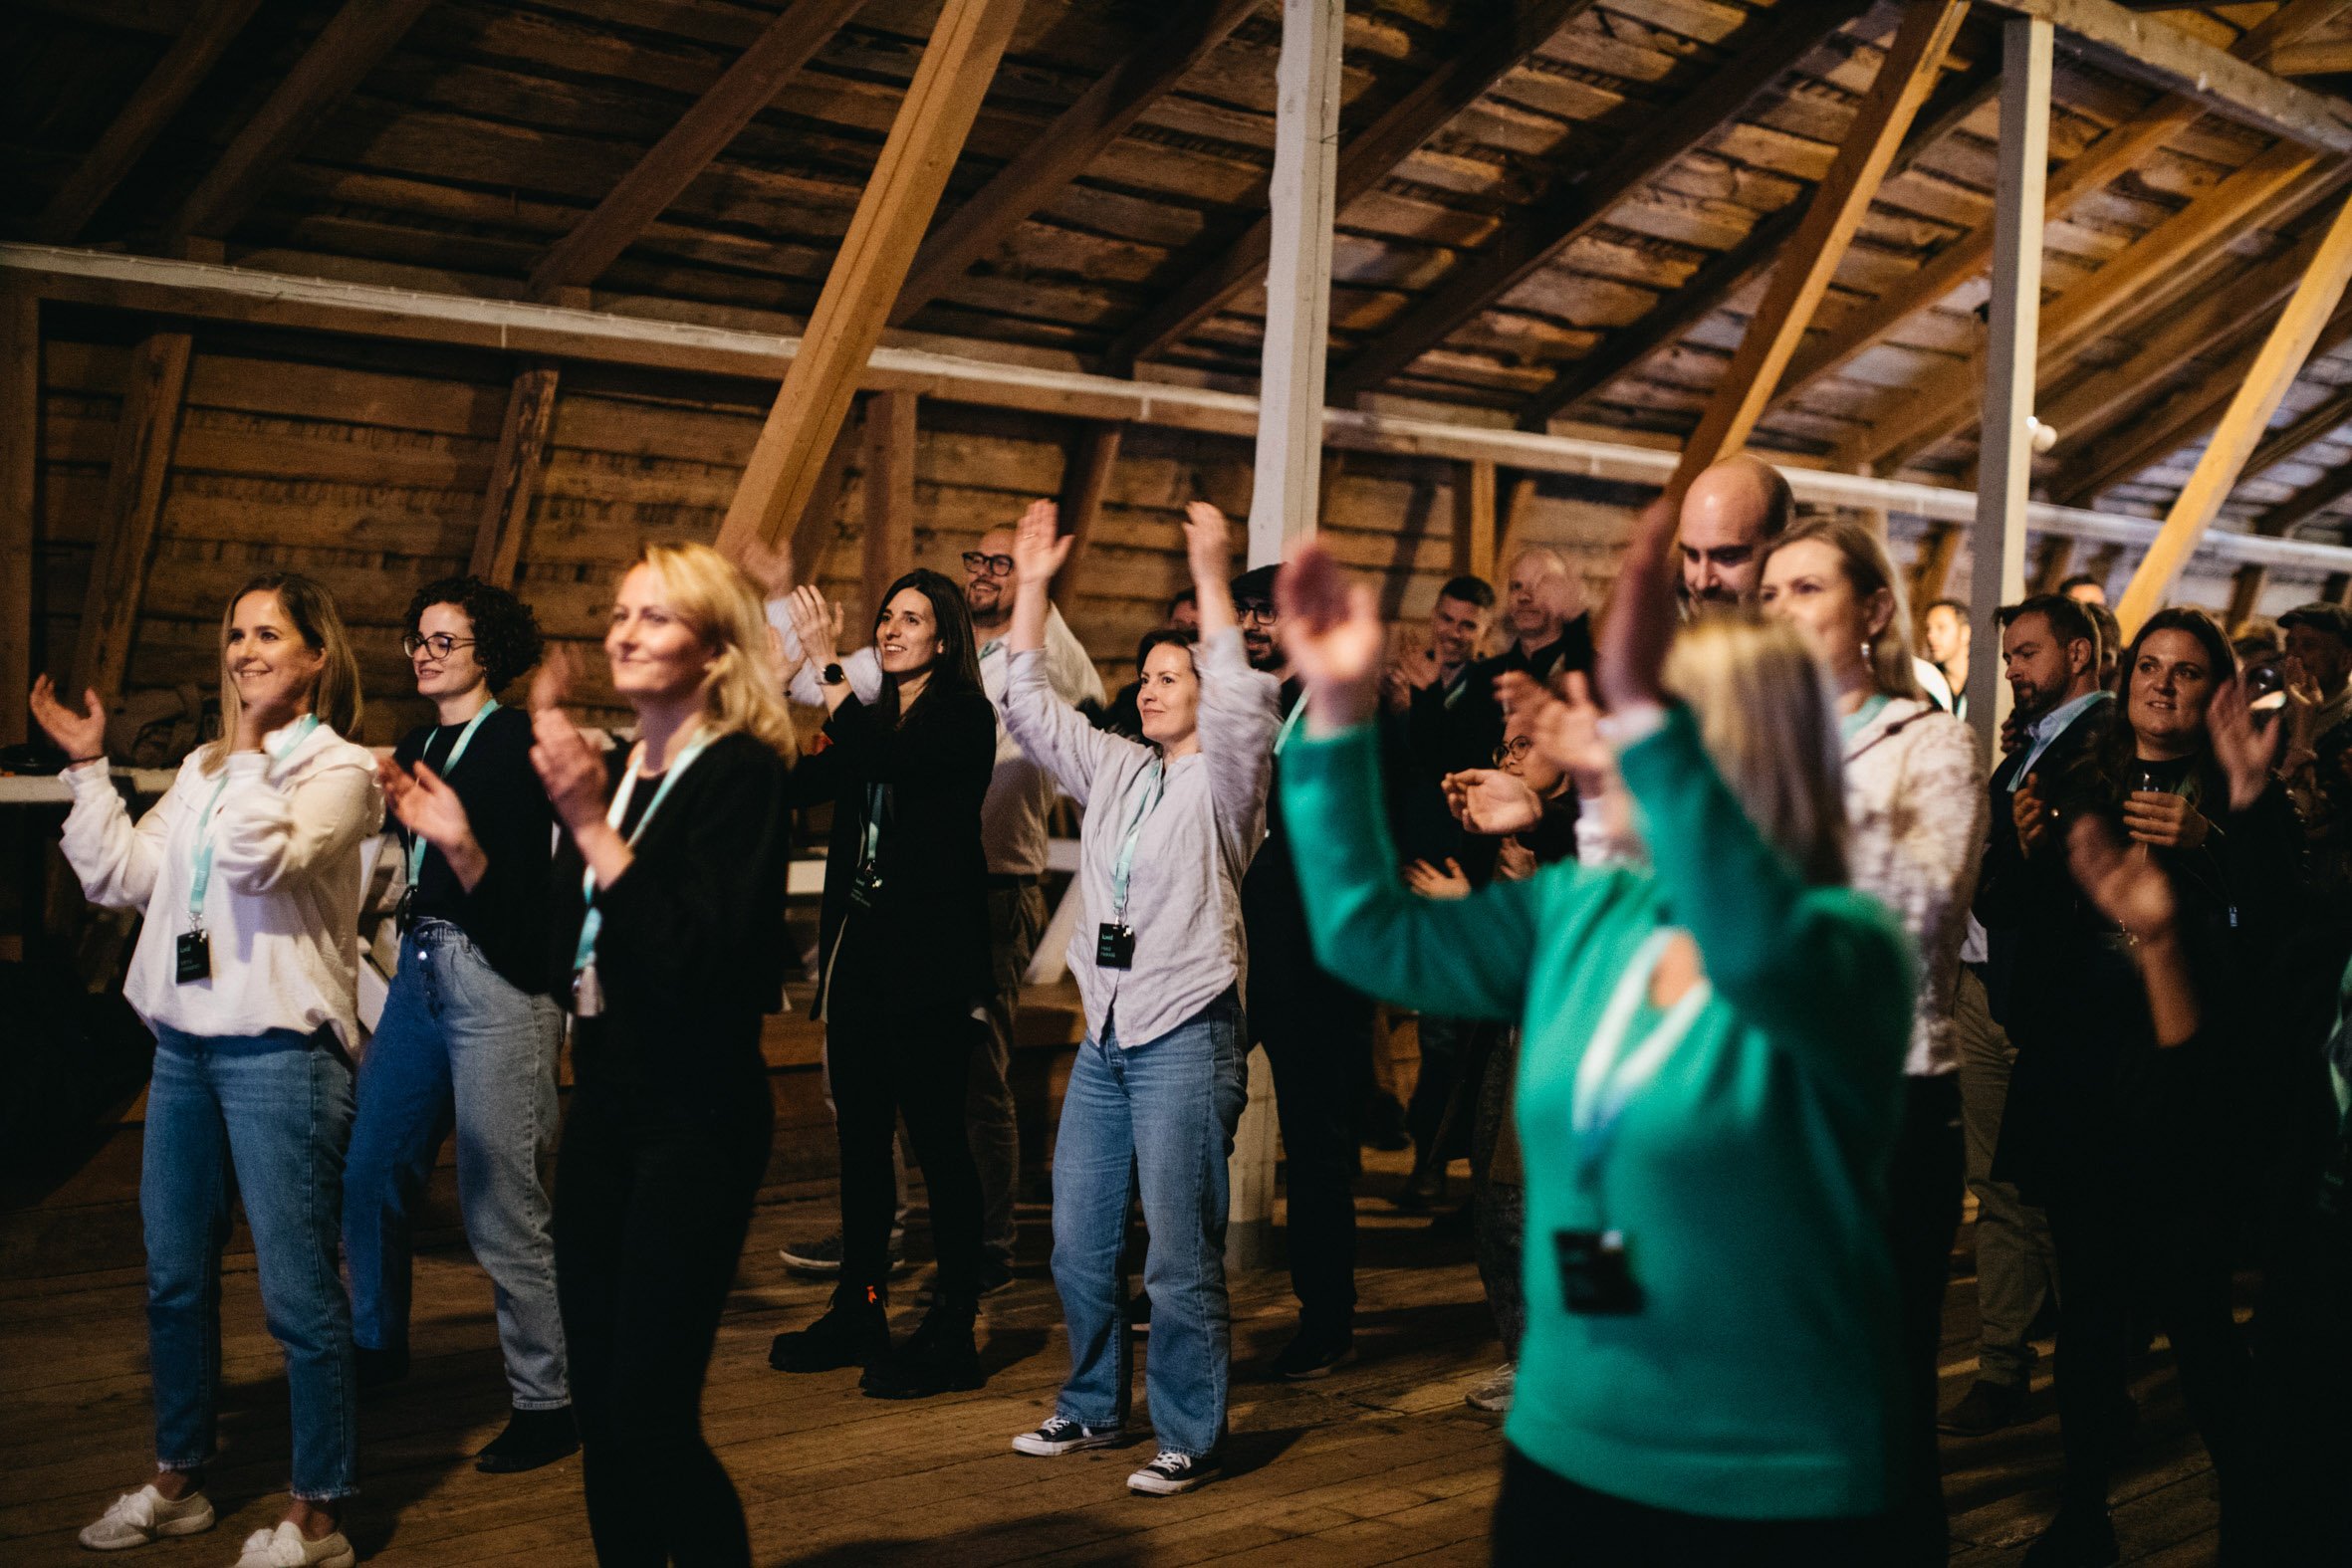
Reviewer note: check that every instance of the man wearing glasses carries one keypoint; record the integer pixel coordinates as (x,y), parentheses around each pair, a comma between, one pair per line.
(1013,834)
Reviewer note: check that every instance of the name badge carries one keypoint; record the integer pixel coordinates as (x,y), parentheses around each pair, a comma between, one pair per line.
(1114,946)
(1595,1276)
(588,992)
(192,957)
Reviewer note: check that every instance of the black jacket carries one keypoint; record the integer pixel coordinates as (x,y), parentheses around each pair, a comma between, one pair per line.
(506,913)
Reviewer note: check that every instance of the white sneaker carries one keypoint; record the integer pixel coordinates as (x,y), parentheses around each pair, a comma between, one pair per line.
(137,1517)
(287,1547)
(1170,1473)
(1495,1392)
(1061,1435)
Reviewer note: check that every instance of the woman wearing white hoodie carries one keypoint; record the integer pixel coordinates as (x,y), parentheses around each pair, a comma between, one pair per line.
(248,874)
(1915,809)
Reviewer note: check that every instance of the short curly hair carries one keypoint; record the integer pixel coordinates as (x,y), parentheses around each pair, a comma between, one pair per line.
(507,639)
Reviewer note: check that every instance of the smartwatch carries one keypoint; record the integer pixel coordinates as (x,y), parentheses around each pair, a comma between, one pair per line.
(833,675)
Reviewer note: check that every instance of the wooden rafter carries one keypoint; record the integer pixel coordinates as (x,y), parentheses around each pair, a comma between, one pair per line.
(901,197)
(1061,151)
(143,440)
(20,488)
(351,43)
(1473,520)
(1956,99)
(514,475)
(1085,481)
(1931,568)
(2146,275)
(819,526)
(2095,167)
(1456,81)
(687,150)
(1528,239)
(2323,420)
(2308,504)
(2274,369)
(1807,262)
(889,490)
(183,66)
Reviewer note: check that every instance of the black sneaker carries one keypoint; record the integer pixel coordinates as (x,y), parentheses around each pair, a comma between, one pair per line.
(2080,1537)
(1170,1473)
(532,1438)
(1059,1435)
(939,1357)
(995,1279)
(379,1369)
(823,1258)
(1313,1354)
(854,1332)
(1984,1408)
(1384,1125)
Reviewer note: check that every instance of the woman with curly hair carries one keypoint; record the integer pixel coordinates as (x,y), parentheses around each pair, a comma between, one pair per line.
(469,1033)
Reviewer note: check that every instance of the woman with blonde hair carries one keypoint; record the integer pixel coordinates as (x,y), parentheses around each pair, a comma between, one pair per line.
(1915,813)
(248,874)
(1711,1048)
(666,941)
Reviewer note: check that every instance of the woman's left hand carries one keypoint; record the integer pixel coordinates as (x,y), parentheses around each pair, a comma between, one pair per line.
(2244,751)
(2164,820)
(425,804)
(1331,631)
(1629,657)
(1428,881)
(570,770)
(2131,890)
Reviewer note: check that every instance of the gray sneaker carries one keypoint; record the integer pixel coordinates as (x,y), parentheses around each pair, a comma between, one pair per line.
(1495,1392)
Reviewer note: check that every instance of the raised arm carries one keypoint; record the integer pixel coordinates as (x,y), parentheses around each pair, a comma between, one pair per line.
(115,862)
(1054,734)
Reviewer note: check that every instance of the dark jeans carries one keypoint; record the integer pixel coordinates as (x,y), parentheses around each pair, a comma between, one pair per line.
(1016,917)
(1925,1180)
(1546,1518)
(653,1198)
(1499,1192)
(894,1049)
(1317,1036)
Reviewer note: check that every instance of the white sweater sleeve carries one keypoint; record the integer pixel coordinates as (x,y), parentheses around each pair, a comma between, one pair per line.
(1239,716)
(1053,733)
(863,666)
(116,861)
(270,833)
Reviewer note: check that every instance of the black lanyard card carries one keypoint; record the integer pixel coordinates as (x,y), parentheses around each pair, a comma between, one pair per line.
(1114,946)
(1595,1276)
(192,957)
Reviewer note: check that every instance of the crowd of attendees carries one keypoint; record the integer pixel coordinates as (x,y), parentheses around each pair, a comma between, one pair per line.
(1734,968)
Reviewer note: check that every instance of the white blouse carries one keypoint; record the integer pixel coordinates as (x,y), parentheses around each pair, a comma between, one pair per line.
(283,906)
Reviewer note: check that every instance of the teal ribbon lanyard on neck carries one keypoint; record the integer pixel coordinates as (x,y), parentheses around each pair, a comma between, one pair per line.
(417,843)
(1609,1079)
(1282,736)
(591,919)
(1862,718)
(1123,868)
(207,841)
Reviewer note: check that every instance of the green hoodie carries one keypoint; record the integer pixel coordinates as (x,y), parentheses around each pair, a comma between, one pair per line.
(1747,1175)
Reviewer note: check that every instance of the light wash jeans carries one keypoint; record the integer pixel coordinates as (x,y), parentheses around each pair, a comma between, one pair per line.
(1167,1108)
(459,1045)
(270,1114)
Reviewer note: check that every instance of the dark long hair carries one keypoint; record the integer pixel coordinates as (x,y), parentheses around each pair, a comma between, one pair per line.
(957,668)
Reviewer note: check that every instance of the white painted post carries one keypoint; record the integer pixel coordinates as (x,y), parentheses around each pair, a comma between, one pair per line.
(2005,471)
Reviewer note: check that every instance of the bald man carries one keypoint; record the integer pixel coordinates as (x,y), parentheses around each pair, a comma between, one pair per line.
(1727,515)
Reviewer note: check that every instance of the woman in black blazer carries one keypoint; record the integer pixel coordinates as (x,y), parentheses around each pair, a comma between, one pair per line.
(905,949)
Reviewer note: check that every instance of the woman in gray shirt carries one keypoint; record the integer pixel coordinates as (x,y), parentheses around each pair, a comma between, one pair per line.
(1171,823)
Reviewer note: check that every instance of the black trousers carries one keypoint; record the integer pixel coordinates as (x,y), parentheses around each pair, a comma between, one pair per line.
(892,1050)
(1318,1035)
(1544,1518)
(1925,1180)
(653,1197)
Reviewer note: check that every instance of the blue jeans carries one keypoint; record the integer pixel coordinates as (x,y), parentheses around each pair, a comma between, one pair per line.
(459,1047)
(272,1114)
(1168,1108)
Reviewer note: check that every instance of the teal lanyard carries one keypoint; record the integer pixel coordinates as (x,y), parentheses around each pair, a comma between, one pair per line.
(591,919)
(1122,869)
(1282,736)
(989,647)
(1609,1077)
(1461,685)
(1862,718)
(200,881)
(417,843)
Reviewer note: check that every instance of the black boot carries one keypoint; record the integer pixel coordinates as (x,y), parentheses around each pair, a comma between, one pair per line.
(938,1357)
(532,1438)
(854,1332)
(379,1369)
(2081,1536)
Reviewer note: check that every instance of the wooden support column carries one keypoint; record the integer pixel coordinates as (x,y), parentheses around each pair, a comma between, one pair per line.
(1931,569)
(2246,595)
(2006,472)
(1086,480)
(687,150)
(1510,527)
(143,440)
(1284,503)
(1474,518)
(2337,588)
(1811,256)
(20,475)
(514,476)
(889,495)
(900,196)
(2052,564)
(819,526)
(2274,369)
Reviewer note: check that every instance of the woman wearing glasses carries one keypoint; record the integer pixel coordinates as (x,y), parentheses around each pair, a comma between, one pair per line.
(469,1033)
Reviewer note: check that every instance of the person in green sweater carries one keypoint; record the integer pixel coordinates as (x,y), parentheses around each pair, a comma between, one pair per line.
(1710,1084)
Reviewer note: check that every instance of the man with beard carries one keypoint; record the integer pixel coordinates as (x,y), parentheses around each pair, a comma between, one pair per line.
(1731,509)
(1013,834)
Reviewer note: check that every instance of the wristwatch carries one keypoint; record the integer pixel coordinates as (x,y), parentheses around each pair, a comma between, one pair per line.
(833,675)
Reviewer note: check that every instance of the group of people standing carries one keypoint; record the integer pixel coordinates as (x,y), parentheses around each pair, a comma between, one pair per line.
(1732,967)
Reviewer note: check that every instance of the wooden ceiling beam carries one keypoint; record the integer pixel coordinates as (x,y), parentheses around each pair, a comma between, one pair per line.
(2274,369)
(1530,239)
(2323,420)
(1813,252)
(1370,156)
(514,475)
(1085,481)
(358,38)
(819,526)
(901,197)
(144,437)
(1956,99)
(1061,152)
(2284,518)
(687,148)
(2326,58)
(889,495)
(184,65)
